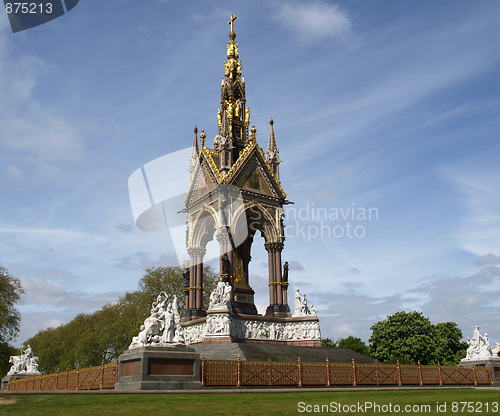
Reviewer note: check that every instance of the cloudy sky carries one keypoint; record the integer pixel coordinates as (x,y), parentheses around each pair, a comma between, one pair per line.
(387,119)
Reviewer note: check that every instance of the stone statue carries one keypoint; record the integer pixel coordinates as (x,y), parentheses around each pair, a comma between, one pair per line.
(162,327)
(26,363)
(225,264)
(297,303)
(168,326)
(479,347)
(284,279)
(237,109)
(221,296)
(300,305)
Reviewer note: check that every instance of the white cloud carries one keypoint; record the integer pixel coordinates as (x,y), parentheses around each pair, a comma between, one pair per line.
(43,134)
(14,172)
(141,260)
(47,303)
(470,300)
(314,20)
(29,125)
(479,231)
(487,259)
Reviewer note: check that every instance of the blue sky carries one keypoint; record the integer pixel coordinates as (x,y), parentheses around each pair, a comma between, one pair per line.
(389,105)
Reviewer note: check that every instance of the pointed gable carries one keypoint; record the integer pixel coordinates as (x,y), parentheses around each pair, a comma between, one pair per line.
(205,178)
(252,172)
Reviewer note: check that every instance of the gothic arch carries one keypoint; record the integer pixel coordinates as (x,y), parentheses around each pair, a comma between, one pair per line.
(204,225)
(257,218)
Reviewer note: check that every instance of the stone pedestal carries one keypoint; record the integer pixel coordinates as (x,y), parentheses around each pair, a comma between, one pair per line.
(159,368)
(493,362)
(7,379)
(221,326)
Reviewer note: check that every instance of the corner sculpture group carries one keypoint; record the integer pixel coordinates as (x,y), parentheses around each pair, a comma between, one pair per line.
(480,348)
(24,364)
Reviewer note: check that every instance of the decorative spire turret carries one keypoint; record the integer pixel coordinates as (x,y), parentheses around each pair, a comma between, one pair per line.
(225,145)
(273,155)
(196,152)
(233,101)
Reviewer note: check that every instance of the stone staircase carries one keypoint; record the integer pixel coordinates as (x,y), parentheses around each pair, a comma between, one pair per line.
(282,353)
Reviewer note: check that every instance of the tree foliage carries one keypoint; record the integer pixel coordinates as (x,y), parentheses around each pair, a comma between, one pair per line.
(350,343)
(328,343)
(354,344)
(448,348)
(103,335)
(10,293)
(6,351)
(410,338)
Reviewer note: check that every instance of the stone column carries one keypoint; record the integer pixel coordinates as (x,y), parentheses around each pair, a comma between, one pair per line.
(279,291)
(194,296)
(192,278)
(278,304)
(198,295)
(270,262)
(226,248)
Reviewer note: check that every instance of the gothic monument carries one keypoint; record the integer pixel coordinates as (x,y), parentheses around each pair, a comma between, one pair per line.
(234,192)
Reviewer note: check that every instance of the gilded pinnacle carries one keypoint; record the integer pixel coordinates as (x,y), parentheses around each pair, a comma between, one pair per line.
(202,137)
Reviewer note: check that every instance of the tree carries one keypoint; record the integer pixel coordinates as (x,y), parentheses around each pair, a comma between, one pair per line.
(410,337)
(404,336)
(328,343)
(166,279)
(449,349)
(354,344)
(6,351)
(10,293)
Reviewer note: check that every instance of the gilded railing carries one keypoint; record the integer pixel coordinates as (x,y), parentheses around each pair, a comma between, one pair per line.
(239,373)
(92,378)
(268,373)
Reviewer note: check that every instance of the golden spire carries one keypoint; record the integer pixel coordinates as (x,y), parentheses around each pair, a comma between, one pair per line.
(252,135)
(202,137)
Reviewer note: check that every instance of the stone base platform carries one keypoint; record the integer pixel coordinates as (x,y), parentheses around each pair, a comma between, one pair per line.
(159,368)
(7,379)
(493,362)
(222,326)
(281,353)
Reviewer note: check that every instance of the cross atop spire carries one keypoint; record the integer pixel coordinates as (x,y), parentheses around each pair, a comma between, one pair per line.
(232,34)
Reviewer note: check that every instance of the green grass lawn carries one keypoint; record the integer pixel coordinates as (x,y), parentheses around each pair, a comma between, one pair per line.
(475,402)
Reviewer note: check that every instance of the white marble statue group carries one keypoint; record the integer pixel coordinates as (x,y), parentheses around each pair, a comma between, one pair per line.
(163,326)
(24,364)
(480,348)
(220,296)
(300,307)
